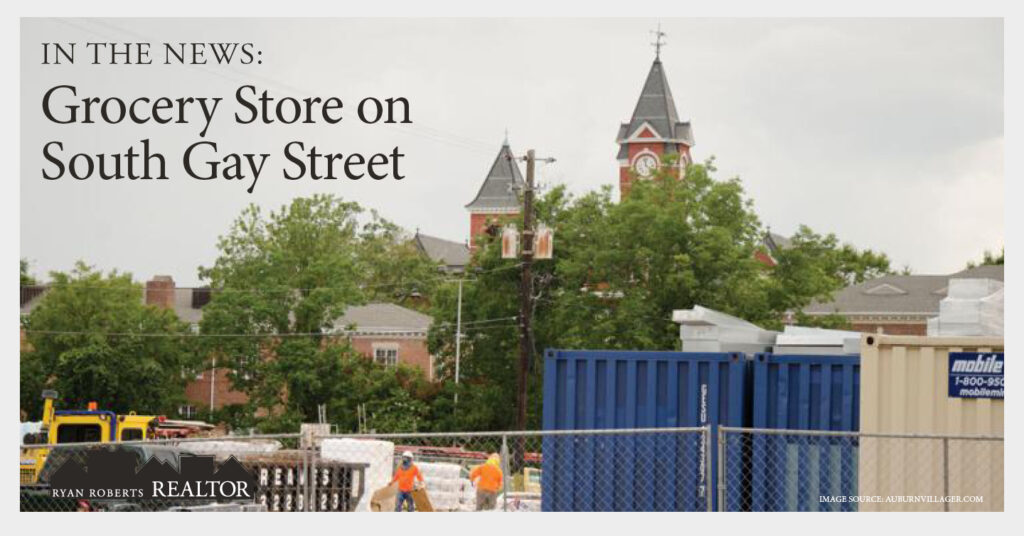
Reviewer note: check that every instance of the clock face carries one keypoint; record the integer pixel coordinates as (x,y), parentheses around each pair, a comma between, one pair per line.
(645,165)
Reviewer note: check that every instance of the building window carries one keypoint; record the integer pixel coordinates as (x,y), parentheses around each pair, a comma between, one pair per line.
(385,354)
(187,411)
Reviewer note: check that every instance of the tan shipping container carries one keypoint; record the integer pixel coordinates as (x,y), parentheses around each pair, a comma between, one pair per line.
(904,390)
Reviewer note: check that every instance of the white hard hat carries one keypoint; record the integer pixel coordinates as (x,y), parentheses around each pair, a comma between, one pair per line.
(407,454)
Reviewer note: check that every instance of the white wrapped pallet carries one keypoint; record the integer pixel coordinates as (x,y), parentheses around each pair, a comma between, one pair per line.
(802,340)
(965,313)
(992,313)
(379,455)
(972,289)
(227,447)
(467,495)
(443,484)
(706,330)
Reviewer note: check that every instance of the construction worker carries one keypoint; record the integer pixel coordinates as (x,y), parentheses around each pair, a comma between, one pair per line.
(487,479)
(406,475)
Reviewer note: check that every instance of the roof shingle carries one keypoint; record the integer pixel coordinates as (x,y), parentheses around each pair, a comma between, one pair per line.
(498,192)
(893,294)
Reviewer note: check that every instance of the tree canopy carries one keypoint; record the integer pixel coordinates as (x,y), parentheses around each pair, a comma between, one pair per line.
(989,258)
(84,339)
(279,284)
(620,269)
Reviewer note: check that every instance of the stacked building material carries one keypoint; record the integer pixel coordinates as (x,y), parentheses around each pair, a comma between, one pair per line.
(972,307)
(378,454)
(444,484)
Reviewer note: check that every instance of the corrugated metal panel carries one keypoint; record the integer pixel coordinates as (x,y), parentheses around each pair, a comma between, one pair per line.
(806,392)
(586,389)
(904,390)
(801,392)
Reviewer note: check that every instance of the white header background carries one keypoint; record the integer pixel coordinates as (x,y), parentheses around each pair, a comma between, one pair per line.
(887,132)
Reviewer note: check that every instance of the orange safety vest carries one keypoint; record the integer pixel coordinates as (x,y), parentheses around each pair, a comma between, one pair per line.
(405,477)
(490,477)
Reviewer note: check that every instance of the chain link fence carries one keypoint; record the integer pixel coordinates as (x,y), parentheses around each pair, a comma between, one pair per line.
(666,469)
(820,471)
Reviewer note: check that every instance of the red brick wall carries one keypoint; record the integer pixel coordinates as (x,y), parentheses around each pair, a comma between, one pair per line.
(197,392)
(160,291)
(478,224)
(902,328)
(625,172)
(411,351)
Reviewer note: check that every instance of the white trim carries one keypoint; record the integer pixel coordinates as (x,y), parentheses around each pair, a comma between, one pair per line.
(386,347)
(885,289)
(635,136)
(869,313)
(642,154)
(509,211)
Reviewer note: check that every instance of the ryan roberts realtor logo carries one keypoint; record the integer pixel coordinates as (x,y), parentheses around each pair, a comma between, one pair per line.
(117,474)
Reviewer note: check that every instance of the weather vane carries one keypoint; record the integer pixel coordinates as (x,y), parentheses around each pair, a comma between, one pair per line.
(658,43)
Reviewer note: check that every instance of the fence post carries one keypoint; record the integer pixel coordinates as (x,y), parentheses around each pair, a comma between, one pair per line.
(706,437)
(505,473)
(945,474)
(306,469)
(311,482)
(721,471)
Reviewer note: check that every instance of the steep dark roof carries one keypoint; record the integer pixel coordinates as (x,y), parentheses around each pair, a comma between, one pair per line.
(776,242)
(657,108)
(891,294)
(447,252)
(498,190)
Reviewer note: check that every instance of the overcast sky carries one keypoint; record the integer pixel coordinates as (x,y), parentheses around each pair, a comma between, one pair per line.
(888,133)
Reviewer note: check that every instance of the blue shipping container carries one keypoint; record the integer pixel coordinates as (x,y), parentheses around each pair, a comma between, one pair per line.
(586,389)
(791,472)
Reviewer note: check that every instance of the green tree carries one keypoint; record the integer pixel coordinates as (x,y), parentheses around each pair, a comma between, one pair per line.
(989,258)
(26,278)
(282,280)
(619,270)
(84,340)
(815,266)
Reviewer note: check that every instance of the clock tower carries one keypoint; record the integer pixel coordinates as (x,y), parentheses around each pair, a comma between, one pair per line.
(653,132)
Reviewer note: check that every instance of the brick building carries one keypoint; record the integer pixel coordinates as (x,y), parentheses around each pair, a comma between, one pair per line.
(387,333)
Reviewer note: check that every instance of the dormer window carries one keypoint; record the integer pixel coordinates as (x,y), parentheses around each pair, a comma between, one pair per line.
(885,289)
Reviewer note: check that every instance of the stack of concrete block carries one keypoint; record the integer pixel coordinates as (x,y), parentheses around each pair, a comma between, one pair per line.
(379,455)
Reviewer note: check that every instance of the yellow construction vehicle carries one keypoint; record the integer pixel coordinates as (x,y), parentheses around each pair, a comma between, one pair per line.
(81,426)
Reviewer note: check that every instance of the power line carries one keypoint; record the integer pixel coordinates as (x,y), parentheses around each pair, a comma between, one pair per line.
(265,290)
(271,335)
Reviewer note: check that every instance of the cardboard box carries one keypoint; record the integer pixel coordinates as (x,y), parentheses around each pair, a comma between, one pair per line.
(383,499)
(422,500)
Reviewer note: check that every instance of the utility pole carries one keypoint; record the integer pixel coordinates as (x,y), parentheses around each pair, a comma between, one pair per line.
(458,344)
(526,291)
